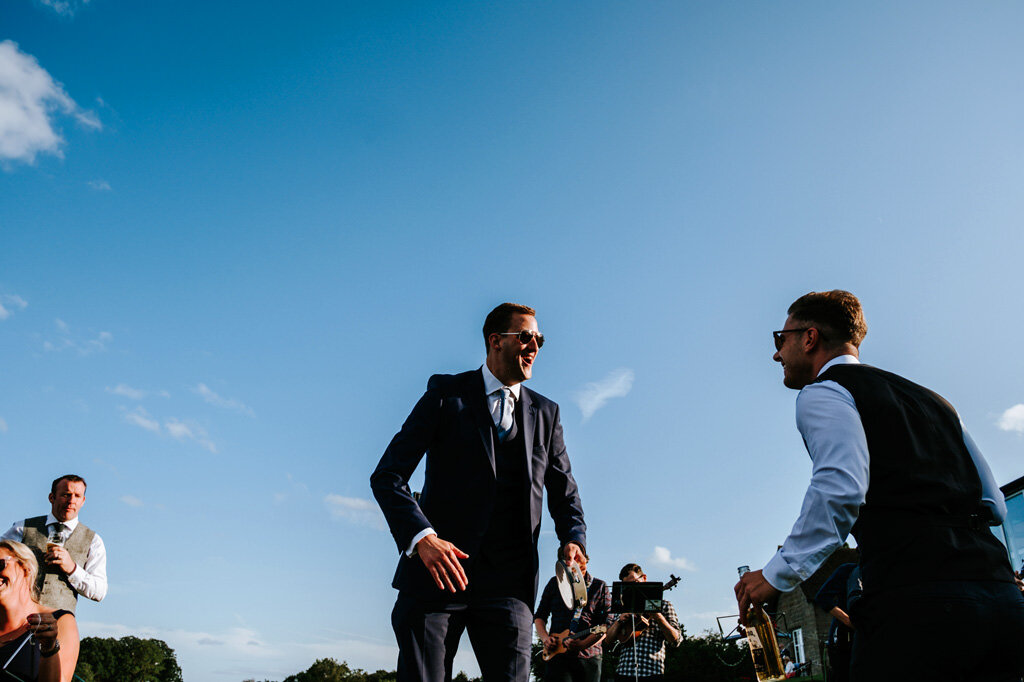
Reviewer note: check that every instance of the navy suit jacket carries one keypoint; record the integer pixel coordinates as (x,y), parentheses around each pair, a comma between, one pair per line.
(452,426)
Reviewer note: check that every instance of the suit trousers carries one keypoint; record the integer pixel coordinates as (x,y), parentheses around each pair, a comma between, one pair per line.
(951,631)
(428,636)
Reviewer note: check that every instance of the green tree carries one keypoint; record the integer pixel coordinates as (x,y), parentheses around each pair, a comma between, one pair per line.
(128,659)
(324,670)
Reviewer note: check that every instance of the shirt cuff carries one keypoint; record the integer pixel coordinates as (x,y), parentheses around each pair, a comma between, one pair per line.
(77,578)
(779,575)
(416,538)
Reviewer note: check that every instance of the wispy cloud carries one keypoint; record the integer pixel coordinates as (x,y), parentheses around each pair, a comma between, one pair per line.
(127,391)
(594,395)
(357,510)
(131,500)
(10,302)
(139,417)
(3,425)
(29,100)
(188,431)
(227,403)
(66,340)
(65,8)
(663,557)
(99,185)
(172,426)
(1012,419)
(295,488)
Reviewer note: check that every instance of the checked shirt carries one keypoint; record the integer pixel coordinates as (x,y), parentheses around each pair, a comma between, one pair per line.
(647,657)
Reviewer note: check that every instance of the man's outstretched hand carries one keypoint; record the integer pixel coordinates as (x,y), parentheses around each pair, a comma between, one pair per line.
(442,561)
(752,589)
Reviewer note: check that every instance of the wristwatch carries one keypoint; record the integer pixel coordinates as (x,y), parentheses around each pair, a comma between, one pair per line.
(52,651)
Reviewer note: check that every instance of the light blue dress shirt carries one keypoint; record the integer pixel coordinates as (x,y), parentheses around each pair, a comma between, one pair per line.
(828,420)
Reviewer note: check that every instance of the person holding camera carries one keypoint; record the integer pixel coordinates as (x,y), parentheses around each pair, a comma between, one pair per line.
(642,637)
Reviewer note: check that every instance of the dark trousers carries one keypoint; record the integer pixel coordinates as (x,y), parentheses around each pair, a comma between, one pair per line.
(566,668)
(428,636)
(940,632)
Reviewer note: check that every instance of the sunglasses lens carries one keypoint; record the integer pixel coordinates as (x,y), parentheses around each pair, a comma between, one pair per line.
(540,340)
(778,340)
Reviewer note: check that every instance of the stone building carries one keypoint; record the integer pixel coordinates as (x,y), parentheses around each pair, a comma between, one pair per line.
(803,627)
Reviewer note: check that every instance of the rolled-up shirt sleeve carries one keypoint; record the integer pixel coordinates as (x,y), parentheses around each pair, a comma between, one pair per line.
(828,421)
(90,579)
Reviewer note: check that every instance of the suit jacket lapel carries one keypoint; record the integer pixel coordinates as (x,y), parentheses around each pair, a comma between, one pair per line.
(477,400)
(527,425)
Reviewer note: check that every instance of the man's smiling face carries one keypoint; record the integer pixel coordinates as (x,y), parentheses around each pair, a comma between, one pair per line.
(513,360)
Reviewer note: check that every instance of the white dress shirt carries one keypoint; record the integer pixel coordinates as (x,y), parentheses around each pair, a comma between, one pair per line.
(88,579)
(492,389)
(828,420)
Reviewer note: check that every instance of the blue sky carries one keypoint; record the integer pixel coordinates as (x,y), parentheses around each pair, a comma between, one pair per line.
(237,238)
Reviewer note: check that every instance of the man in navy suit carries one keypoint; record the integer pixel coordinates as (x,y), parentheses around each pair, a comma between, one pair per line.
(469,543)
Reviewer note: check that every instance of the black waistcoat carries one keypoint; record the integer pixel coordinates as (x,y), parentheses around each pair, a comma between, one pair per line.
(915,524)
(504,567)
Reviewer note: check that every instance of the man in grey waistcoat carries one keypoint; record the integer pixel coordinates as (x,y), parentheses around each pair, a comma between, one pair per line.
(72,558)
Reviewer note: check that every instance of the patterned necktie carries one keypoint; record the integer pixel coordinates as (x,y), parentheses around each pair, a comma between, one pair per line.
(505,408)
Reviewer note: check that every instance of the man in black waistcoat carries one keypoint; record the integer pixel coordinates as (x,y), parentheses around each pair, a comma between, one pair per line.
(469,543)
(893,464)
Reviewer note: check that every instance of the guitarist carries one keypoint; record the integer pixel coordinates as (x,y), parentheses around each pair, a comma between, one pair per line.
(582,660)
(642,656)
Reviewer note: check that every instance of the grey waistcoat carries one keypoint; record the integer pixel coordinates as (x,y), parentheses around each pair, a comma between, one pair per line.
(54,589)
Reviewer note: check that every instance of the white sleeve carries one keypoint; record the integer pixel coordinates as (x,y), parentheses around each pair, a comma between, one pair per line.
(16,532)
(827,418)
(991,496)
(90,579)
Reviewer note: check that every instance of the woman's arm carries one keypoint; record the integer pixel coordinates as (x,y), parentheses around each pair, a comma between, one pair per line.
(58,645)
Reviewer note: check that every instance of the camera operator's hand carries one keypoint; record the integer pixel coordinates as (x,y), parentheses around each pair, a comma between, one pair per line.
(442,561)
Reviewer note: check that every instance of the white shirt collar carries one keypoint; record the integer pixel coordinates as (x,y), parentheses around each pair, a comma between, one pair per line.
(71,524)
(840,360)
(491,383)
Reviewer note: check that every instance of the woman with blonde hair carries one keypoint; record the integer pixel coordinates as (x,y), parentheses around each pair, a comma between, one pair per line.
(37,644)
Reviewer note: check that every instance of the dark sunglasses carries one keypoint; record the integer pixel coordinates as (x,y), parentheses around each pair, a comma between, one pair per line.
(526,336)
(780,339)
(5,562)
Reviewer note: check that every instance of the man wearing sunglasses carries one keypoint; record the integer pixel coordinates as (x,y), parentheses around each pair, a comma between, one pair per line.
(468,545)
(893,464)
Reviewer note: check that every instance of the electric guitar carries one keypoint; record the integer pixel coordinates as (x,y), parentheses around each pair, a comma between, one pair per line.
(564,636)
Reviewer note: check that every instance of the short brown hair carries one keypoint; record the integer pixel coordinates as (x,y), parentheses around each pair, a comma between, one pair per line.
(27,558)
(630,568)
(498,319)
(66,477)
(837,313)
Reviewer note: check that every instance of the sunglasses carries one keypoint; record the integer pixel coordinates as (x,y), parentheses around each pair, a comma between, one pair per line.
(5,562)
(526,336)
(780,339)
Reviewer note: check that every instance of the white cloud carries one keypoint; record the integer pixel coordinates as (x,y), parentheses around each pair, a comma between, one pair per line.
(1012,419)
(66,340)
(131,500)
(3,425)
(99,185)
(141,418)
(357,510)
(29,97)
(127,391)
(9,303)
(182,431)
(227,403)
(594,395)
(65,8)
(663,557)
